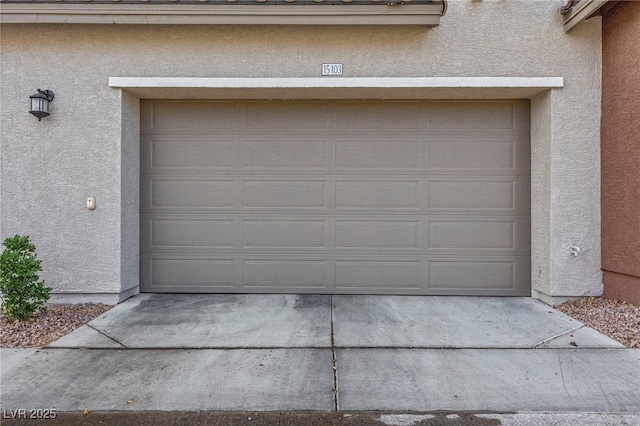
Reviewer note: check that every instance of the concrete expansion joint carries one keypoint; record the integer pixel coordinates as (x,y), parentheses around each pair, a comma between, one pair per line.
(557,336)
(573,330)
(108,337)
(483,348)
(334,362)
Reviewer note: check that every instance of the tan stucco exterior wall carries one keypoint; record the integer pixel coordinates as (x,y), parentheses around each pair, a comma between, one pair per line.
(89,145)
(621,152)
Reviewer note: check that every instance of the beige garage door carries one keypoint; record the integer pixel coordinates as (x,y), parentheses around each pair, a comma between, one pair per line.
(394,197)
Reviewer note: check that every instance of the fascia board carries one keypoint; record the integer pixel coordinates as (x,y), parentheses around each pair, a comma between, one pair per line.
(399,14)
(580,12)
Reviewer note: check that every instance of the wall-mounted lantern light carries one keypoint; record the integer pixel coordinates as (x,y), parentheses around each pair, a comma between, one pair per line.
(40,103)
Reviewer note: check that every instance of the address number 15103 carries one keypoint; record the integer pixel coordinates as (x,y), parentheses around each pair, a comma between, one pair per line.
(331,69)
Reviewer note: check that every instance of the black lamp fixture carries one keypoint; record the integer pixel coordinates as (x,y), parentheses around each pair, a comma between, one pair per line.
(40,103)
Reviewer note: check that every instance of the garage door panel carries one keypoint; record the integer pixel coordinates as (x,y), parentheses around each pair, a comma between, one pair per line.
(377,234)
(402,197)
(470,235)
(497,115)
(447,194)
(184,274)
(284,273)
(195,233)
(441,276)
(486,195)
(170,233)
(285,154)
(365,116)
(471,155)
(510,234)
(188,117)
(281,194)
(379,154)
(192,153)
(283,233)
(186,194)
(377,194)
(389,275)
(289,117)
(481,195)
(473,275)
(175,153)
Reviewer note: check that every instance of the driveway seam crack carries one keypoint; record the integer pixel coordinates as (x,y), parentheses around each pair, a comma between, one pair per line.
(107,336)
(557,336)
(334,363)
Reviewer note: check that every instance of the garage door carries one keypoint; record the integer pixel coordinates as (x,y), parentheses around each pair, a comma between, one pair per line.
(360,197)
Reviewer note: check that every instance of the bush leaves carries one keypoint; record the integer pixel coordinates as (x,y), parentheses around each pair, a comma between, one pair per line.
(22,291)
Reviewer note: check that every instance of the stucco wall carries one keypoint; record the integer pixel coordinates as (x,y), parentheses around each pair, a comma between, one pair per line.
(621,152)
(88,147)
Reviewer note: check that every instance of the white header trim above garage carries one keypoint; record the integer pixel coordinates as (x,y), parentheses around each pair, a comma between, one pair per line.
(337,87)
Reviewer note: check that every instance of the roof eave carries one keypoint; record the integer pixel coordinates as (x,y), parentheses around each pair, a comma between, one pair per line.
(396,14)
(581,11)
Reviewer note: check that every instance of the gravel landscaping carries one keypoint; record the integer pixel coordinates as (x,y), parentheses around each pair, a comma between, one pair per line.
(47,326)
(618,320)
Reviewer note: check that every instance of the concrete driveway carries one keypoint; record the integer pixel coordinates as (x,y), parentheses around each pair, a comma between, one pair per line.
(326,353)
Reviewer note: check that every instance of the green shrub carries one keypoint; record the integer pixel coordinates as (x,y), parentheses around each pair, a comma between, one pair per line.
(22,291)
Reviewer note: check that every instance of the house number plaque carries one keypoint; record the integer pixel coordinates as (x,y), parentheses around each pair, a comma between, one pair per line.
(331,69)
